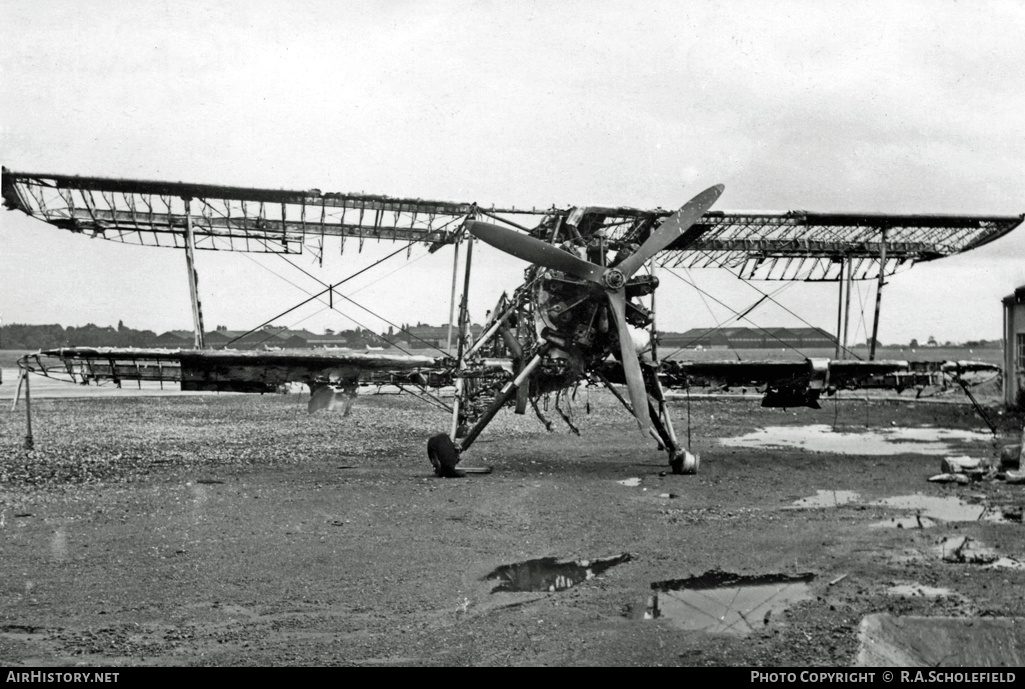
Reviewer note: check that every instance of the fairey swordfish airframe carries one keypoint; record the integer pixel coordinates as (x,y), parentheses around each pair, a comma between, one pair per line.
(585,311)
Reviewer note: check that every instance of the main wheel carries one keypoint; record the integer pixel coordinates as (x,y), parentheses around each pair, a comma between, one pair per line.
(443,455)
(685,463)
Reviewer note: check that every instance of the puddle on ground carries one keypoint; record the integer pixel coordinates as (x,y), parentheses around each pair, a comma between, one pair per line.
(918,590)
(724,603)
(931,509)
(1003,515)
(876,441)
(827,498)
(967,550)
(944,508)
(550,574)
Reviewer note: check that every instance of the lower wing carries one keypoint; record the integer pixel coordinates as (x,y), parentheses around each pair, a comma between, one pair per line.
(235,370)
(801,383)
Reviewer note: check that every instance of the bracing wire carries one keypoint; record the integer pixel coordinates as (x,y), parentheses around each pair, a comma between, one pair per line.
(318,295)
(372,313)
(736,313)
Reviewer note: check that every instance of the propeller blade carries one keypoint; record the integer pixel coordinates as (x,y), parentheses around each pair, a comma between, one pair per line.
(535,251)
(671,229)
(631,367)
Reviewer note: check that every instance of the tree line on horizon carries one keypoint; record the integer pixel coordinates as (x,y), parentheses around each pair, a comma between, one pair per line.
(24,336)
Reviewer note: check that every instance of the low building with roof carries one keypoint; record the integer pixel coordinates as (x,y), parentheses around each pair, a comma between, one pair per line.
(1014,348)
(749,338)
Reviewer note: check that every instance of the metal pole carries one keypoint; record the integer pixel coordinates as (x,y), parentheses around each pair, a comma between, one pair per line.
(839,309)
(452,301)
(879,297)
(847,310)
(654,330)
(190,260)
(29,443)
(1009,360)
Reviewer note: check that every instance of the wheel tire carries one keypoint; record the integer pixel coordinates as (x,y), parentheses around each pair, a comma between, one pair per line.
(443,455)
(685,463)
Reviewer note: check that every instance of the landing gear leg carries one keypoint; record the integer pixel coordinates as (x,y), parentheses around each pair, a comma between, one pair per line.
(443,453)
(680,460)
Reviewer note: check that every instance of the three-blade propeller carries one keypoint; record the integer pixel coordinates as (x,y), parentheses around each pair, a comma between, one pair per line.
(612,279)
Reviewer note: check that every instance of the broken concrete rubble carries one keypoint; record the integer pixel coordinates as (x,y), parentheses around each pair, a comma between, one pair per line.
(958,465)
(963,469)
(1014,476)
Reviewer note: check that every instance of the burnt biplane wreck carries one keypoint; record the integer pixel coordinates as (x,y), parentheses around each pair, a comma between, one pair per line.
(585,311)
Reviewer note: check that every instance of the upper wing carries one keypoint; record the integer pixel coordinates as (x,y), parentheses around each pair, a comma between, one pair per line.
(225,218)
(800,383)
(765,245)
(803,245)
(231,370)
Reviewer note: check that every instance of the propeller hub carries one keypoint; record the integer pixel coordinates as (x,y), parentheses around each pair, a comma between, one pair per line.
(614,279)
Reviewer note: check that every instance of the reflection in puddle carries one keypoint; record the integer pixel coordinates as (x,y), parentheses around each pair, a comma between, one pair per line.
(723,603)
(828,498)
(915,522)
(549,574)
(877,441)
(932,507)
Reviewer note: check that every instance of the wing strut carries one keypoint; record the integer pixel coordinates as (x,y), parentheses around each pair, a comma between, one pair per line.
(190,262)
(29,442)
(452,300)
(879,296)
(464,320)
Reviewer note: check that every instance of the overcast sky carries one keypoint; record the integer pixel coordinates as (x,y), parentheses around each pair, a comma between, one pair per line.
(909,107)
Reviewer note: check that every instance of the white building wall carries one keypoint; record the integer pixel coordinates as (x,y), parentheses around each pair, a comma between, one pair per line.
(1014,347)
